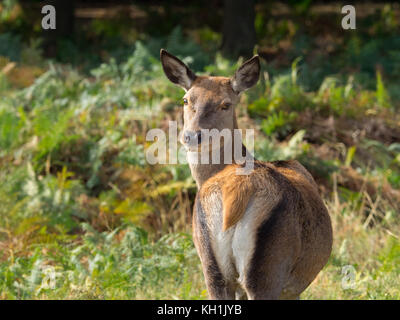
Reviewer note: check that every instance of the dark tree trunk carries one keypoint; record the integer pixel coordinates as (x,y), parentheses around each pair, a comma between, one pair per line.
(65,20)
(65,16)
(239,35)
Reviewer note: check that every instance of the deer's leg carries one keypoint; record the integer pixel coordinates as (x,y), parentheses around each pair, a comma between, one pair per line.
(264,284)
(218,286)
(240,294)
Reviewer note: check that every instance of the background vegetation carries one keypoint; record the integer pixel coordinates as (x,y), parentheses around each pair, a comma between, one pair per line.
(77,197)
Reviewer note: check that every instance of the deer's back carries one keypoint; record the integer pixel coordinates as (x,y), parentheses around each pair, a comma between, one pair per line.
(273,217)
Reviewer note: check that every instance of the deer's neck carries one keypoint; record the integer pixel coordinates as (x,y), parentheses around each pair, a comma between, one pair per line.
(202,172)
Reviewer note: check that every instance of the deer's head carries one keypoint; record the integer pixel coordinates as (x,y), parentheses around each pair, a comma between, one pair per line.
(209,101)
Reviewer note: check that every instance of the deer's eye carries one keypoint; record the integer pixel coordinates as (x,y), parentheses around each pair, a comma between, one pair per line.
(226,106)
(185,101)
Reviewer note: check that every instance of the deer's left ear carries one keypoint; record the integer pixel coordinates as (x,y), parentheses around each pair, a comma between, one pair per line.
(247,75)
(176,71)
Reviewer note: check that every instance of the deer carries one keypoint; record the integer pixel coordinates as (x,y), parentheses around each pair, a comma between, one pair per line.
(265,235)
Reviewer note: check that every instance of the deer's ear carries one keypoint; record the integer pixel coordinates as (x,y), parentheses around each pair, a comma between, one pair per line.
(176,71)
(247,75)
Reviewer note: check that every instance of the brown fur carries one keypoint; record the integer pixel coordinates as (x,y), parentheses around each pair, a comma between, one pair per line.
(236,193)
(237,190)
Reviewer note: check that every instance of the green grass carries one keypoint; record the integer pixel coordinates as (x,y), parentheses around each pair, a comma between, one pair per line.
(122,264)
(373,252)
(126,264)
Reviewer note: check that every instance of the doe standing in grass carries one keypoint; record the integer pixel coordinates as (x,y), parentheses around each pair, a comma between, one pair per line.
(264,235)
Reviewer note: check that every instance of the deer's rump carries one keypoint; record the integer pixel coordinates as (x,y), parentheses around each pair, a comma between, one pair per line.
(268,232)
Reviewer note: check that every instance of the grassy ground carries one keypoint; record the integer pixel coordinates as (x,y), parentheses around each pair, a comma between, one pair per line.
(83,216)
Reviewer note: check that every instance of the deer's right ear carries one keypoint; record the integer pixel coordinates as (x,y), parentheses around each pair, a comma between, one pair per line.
(176,71)
(247,75)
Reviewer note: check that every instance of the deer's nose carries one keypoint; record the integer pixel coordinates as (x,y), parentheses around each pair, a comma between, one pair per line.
(192,137)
